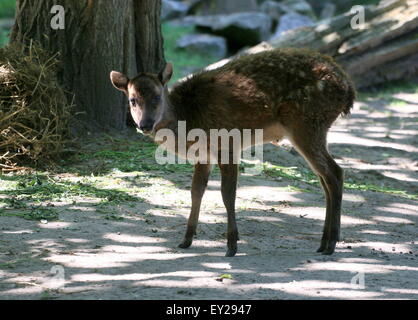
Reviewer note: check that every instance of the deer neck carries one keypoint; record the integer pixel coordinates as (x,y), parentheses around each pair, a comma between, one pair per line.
(168,117)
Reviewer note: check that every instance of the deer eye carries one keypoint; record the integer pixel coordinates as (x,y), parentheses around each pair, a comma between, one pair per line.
(156,99)
(133,102)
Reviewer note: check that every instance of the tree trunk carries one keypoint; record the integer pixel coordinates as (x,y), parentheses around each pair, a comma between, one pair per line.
(149,40)
(99,36)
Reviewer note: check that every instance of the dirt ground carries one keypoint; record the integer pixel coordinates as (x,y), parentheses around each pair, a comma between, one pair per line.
(83,256)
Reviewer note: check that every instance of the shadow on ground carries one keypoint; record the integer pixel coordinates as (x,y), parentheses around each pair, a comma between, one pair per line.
(127,249)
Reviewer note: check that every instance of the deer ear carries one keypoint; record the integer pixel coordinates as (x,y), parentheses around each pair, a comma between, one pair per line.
(166,74)
(119,81)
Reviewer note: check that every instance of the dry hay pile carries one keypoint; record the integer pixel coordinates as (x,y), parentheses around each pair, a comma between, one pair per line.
(34,110)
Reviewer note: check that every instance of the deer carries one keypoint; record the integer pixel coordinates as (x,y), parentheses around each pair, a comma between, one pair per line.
(289,93)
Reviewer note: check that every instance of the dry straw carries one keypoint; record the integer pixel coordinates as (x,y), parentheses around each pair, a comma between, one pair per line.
(34,110)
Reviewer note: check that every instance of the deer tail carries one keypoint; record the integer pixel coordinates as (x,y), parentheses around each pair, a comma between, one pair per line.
(351,97)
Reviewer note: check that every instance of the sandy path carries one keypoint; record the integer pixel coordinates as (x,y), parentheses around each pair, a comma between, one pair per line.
(280,229)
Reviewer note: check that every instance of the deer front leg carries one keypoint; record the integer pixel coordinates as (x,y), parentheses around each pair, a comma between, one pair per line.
(199,183)
(229,174)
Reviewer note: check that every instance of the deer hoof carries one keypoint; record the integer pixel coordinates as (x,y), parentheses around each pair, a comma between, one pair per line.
(322,247)
(327,247)
(185,244)
(231,252)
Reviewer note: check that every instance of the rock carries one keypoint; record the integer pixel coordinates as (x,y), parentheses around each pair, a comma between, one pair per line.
(274,9)
(211,7)
(299,6)
(240,29)
(234,6)
(291,21)
(386,50)
(346,5)
(328,11)
(204,44)
(173,9)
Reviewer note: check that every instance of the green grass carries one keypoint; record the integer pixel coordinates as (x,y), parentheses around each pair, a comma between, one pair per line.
(129,172)
(306,176)
(4,38)
(28,195)
(128,157)
(35,214)
(182,59)
(28,192)
(7,8)
(291,173)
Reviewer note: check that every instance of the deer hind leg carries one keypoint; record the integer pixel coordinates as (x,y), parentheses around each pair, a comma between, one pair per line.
(229,173)
(311,143)
(199,183)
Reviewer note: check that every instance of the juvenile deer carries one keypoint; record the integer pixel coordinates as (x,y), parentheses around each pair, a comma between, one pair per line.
(289,93)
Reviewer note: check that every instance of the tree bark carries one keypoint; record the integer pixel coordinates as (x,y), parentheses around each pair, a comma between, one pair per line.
(148,36)
(99,36)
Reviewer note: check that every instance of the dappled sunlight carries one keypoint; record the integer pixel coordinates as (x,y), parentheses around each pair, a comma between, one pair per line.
(79,207)
(404,132)
(401,291)
(208,244)
(103,260)
(46,243)
(141,276)
(318,214)
(393,220)
(55,225)
(358,260)
(347,220)
(127,238)
(385,247)
(345,266)
(276,196)
(116,232)
(276,274)
(399,176)
(410,98)
(39,289)
(307,212)
(77,240)
(374,232)
(28,289)
(313,289)
(26,231)
(199,282)
(319,290)
(138,250)
(219,265)
(403,208)
(353,197)
(264,219)
(313,285)
(335,138)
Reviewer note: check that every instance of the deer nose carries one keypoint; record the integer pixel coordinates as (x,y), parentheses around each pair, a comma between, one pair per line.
(146,128)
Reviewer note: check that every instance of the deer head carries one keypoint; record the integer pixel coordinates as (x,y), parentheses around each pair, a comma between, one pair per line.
(148,98)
